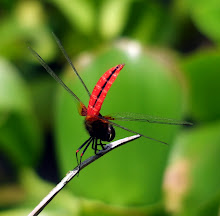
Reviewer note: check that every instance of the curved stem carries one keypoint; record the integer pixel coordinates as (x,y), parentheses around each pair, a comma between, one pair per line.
(70,175)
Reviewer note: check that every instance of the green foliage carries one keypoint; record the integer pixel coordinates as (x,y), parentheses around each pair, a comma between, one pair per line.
(143,177)
(20,136)
(202,71)
(197,150)
(206,15)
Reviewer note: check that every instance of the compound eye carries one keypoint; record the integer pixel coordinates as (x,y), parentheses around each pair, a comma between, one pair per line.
(111,133)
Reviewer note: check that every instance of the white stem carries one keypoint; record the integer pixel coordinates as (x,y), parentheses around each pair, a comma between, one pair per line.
(70,175)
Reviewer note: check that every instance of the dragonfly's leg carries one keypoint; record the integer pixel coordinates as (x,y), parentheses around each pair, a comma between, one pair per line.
(93,144)
(88,140)
(96,145)
(103,145)
(91,140)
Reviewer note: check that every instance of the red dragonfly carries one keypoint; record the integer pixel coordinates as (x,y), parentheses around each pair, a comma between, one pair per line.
(99,127)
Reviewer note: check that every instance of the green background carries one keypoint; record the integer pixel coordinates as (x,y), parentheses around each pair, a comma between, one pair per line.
(172,70)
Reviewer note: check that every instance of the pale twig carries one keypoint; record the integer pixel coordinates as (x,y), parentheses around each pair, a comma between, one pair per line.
(70,175)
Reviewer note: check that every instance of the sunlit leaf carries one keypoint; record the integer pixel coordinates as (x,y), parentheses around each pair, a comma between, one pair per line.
(192,179)
(113,17)
(80,13)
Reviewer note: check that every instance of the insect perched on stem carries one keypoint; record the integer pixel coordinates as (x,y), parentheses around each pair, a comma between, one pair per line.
(99,127)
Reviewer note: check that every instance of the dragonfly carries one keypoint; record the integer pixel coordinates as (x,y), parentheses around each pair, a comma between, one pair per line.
(101,128)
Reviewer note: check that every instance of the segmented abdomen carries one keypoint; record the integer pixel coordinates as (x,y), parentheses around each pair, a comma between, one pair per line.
(101,89)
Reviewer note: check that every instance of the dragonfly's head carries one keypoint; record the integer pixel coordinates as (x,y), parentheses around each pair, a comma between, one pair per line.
(111,133)
(100,129)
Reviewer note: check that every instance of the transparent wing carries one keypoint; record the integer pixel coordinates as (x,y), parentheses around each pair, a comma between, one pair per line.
(81,106)
(127,129)
(70,62)
(145,118)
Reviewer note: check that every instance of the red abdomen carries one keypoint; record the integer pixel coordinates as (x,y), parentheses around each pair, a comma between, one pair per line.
(101,89)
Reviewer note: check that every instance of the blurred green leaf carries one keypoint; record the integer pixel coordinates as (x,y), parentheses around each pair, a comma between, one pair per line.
(196,152)
(202,72)
(43,91)
(206,15)
(113,17)
(25,24)
(11,85)
(20,134)
(11,194)
(153,24)
(131,174)
(15,212)
(81,14)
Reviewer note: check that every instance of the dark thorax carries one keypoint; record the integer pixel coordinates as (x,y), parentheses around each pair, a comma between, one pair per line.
(99,128)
